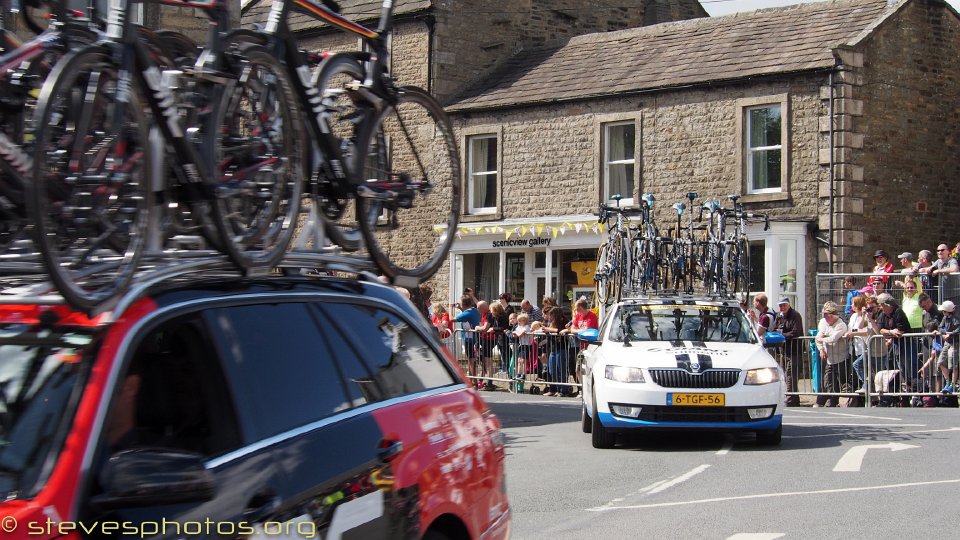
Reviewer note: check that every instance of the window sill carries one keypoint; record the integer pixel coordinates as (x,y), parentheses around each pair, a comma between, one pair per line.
(484,216)
(765,197)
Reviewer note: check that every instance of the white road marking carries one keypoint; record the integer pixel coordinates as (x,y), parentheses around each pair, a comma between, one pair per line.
(933,430)
(852,459)
(756,536)
(772,495)
(861,416)
(682,478)
(658,486)
(829,424)
(726,448)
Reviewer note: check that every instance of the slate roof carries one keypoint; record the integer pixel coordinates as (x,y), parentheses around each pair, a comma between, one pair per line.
(764,42)
(366,12)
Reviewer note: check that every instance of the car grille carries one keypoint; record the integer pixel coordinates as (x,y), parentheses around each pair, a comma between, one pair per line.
(695,414)
(679,378)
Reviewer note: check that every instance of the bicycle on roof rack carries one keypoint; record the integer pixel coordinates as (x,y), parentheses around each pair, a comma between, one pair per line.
(726,260)
(615,256)
(385,151)
(237,144)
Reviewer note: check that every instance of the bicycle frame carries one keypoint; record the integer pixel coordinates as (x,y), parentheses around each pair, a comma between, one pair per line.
(195,173)
(375,88)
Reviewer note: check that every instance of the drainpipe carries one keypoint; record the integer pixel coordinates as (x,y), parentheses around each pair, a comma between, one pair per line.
(431,22)
(832,175)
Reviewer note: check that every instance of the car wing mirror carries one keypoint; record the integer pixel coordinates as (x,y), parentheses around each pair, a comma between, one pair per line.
(773,339)
(590,335)
(153,476)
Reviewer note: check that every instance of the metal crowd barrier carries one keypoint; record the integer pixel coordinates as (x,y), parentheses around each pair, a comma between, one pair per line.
(877,372)
(536,363)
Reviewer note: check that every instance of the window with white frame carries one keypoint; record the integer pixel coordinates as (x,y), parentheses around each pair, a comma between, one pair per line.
(482,174)
(764,149)
(619,160)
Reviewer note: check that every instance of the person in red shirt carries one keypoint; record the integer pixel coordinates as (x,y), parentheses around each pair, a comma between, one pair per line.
(883,266)
(583,319)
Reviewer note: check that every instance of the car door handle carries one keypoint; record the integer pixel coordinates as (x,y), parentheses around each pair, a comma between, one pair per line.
(389,449)
(261,507)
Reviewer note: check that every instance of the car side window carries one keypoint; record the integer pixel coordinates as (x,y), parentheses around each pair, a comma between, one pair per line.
(279,360)
(173,394)
(399,359)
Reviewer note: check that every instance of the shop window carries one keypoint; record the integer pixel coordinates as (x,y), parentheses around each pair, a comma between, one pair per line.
(788,270)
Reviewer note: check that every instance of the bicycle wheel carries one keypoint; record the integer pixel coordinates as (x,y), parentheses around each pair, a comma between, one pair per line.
(741,268)
(601,275)
(90,199)
(420,187)
(336,79)
(258,149)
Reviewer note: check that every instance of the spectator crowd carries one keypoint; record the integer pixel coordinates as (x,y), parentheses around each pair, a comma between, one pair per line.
(916,351)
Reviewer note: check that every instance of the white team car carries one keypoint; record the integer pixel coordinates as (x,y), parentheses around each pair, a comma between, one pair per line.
(679,363)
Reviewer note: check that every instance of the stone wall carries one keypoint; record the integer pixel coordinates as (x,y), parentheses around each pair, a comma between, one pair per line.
(552,160)
(907,172)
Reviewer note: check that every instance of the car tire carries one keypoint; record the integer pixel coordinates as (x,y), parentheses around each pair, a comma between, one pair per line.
(601,437)
(586,423)
(770,437)
(435,535)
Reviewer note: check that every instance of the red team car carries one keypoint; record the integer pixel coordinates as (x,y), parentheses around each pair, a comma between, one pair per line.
(252,408)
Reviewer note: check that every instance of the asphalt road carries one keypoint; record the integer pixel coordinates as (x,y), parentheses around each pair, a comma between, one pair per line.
(839,473)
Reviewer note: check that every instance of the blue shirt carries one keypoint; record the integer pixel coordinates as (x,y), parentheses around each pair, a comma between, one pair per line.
(470,319)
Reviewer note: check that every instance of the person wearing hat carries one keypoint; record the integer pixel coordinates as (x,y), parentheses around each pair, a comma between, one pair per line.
(882,266)
(909,269)
(893,324)
(832,346)
(949,330)
(790,324)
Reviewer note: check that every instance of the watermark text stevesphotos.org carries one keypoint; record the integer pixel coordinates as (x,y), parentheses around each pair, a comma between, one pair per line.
(207,527)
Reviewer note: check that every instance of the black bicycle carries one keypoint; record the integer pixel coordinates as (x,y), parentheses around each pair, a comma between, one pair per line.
(388,176)
(234,130)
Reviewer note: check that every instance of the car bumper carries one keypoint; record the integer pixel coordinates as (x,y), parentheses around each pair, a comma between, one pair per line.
(657,410)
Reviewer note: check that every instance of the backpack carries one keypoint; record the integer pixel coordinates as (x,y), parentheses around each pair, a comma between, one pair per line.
(771,319)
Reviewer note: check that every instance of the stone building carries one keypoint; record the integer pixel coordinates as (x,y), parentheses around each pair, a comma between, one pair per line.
(837,119)
(451,46)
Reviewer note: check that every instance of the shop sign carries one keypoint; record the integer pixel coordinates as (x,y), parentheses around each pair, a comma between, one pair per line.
(522,242)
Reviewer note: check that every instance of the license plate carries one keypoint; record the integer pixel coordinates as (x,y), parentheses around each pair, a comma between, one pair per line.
(699,400)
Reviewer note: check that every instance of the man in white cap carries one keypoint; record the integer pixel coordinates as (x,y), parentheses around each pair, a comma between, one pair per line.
(790,324)
(949,330)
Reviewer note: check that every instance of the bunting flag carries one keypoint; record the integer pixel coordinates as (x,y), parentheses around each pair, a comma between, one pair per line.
(534,229)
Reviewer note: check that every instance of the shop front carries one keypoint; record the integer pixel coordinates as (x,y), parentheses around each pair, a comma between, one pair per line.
(529,258)
(556,256)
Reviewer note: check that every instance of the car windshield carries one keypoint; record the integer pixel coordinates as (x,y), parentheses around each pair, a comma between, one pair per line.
(41,377)
(681,322)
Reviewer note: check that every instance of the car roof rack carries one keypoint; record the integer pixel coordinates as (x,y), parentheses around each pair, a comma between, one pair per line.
(23,279)
(663,294)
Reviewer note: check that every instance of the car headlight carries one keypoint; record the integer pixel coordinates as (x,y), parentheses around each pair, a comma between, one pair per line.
(624,374)
(765,375)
